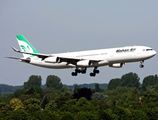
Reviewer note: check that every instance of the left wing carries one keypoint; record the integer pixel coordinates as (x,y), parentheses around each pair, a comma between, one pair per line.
(59,59)
(74,61)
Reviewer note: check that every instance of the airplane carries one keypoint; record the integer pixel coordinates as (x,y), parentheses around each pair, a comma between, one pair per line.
(113,57)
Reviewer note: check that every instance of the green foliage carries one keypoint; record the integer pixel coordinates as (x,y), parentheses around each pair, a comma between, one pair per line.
(34,81)
(44,102)
(138,115)
(86,116)
(83,92)
(107,115)
(97,96)
(19,114)
(8,89)
(130,80)
(97,89)
(123,102)
(150,96)
(66,115)
(149,80)
(103,105)
(156,87)
(31,105)
(54,82)
(76,88)
(8,96)
(51,115)
(16,104)
(123,113)
(119,91)
(19,92)
(114,83)
(52,106)
(61,100)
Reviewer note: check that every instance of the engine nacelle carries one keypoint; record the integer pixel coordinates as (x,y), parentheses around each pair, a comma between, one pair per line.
(51,59)
(84,63)
(117,65)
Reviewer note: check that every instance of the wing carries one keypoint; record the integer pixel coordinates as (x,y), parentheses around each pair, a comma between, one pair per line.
(69,60)
(74,61)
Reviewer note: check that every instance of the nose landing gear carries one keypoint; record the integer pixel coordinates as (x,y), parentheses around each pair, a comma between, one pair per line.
(141,64)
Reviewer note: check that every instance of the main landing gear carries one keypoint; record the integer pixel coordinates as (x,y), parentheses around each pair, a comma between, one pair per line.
(141,64)
(83,71)
(95,71)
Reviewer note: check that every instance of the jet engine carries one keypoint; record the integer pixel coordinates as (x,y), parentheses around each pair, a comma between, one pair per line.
(51,60)
(117,65)
(84,63)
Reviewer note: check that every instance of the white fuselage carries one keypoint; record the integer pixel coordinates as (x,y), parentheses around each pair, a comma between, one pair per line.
(104,56)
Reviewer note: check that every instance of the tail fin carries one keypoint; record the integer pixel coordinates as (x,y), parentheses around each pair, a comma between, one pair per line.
(25,46)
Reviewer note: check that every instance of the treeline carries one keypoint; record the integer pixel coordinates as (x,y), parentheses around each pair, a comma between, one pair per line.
(132,80)
(4,89)
(124,99)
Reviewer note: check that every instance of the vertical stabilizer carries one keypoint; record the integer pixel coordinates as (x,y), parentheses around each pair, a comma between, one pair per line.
(25,46)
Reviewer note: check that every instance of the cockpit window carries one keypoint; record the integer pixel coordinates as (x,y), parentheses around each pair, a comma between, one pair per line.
(148,49)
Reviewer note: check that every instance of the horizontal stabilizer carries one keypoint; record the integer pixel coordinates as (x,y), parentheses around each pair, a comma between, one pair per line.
(36,54)
(20,59)
(15,49)
(13,58)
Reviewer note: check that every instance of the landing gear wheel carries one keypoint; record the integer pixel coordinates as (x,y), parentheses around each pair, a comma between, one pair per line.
(96,71)
(141,66)
(92,74)
(74,74)
(77,70)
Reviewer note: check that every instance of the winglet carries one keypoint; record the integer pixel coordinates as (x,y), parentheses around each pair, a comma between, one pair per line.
(16,50)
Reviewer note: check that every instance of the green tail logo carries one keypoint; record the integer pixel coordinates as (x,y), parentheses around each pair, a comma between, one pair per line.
(25,49)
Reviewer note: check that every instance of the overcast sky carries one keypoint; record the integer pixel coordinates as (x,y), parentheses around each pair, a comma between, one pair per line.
(56,26)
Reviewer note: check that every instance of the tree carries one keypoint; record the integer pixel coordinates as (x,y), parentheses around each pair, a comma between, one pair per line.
(19,92)
(97,89)
(54,82)
(76,88)
(31,105)
(97,96)
(66,115)
(130,80)
(138,115)
(19,114)
(33,81)
(149,80)
(51,115)
(123,113)
(156,87)
(52,106)
(86,116)
(16,104)
(44,101)
(114,83)
(83,92)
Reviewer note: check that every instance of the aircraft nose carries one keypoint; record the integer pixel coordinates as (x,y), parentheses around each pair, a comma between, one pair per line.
(154,53)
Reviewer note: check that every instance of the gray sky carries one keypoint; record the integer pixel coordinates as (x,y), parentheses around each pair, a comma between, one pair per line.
(56,26)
